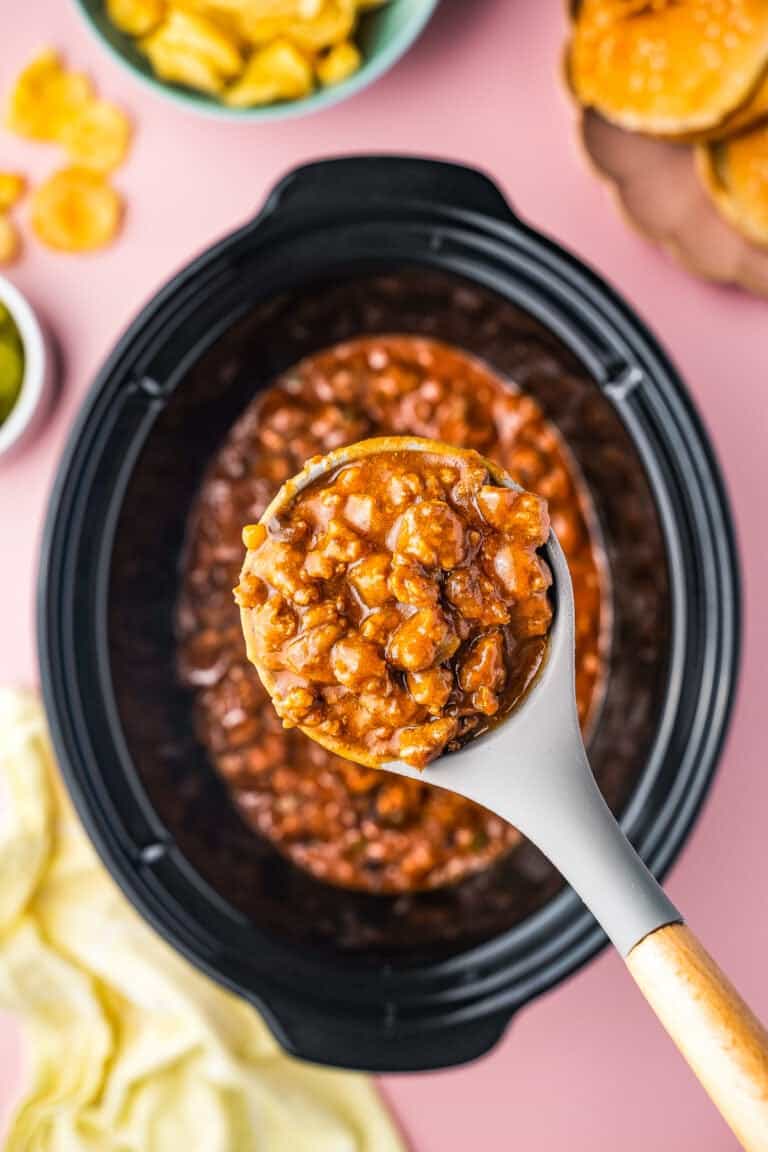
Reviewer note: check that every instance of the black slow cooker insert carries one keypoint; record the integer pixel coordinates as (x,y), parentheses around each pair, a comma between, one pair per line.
(344,248)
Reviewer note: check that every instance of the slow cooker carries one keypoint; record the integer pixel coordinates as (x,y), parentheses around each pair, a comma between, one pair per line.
(342,248)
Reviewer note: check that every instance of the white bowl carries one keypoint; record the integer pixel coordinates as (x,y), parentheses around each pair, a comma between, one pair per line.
(37,381)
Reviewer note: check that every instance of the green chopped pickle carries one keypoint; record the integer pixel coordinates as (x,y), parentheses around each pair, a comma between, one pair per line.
(11,363)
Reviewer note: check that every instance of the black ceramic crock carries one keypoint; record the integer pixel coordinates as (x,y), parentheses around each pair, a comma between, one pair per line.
(360,245)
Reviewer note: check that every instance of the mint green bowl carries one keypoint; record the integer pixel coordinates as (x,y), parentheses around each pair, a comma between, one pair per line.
(383,36)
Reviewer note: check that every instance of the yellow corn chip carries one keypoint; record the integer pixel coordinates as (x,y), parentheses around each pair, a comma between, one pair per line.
(278,71)
(668,68)
(339,64)
(265,9)
(98,137)
(136,17)
(333,22)
(75,210)
(10,243)
(735,173)
(222,15)
(188,34)
(180,66)
(12,187)
(46,97)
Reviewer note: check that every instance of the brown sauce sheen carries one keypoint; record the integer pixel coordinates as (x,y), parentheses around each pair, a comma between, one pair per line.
(349,825)
(397,606)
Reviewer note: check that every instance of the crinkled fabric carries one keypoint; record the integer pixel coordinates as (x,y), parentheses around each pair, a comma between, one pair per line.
(129,1048)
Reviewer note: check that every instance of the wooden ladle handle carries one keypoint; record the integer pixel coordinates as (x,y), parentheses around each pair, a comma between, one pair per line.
(720,1037)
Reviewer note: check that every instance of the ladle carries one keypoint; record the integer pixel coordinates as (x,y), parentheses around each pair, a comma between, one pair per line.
(532,770)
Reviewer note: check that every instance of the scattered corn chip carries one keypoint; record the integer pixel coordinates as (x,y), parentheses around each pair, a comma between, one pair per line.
(98,136)
(10,242)
(339,64)
(46,97)
(735,173)
(75,210)
(277,72)
(668,68)
(136,17)
(12,188)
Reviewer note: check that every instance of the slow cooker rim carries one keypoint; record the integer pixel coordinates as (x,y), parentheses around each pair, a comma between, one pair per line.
(127,345)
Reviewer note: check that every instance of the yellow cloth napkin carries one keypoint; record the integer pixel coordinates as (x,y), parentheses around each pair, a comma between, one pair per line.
(130,1049)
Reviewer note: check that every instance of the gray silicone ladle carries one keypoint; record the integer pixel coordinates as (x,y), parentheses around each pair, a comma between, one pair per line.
(532,770)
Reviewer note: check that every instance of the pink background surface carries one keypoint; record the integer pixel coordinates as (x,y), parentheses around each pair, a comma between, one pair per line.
(586,1067)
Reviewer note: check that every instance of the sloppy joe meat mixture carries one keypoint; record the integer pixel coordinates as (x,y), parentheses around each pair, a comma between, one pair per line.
(346,824)
(396,605)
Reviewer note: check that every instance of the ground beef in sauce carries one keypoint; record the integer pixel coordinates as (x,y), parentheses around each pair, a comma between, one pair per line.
(348,825)
(397,606)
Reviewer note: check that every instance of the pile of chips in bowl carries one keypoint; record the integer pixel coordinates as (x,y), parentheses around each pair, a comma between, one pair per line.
(246,52)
